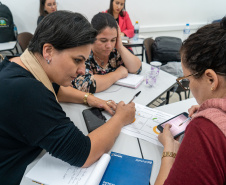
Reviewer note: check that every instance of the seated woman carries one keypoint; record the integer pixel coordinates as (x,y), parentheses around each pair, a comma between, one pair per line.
(46,7)
(109,60)
(200,158)
(31,119)
(117,10)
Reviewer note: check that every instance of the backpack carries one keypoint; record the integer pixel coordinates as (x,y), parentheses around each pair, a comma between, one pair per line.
(6,24)
(165,49)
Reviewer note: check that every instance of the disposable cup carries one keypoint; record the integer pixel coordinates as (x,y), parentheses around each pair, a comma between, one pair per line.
(155,66)
(150,78)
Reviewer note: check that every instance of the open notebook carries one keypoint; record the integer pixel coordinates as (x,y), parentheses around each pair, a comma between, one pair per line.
(109,169)
(132,81)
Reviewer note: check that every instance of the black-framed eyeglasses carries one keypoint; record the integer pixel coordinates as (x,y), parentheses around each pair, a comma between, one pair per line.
(181,80)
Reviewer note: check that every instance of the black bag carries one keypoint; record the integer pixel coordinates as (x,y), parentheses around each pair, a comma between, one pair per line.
(166,49)
(6,24)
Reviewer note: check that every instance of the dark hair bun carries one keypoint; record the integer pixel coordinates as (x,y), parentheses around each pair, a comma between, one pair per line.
(223,23)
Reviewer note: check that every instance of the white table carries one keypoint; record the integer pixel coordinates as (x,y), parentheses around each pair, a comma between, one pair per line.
(154,152)
(74,111)
(148,94)
(8,46)
(124,144)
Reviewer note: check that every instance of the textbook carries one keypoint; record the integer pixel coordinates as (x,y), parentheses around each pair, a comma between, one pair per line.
(132,81)
(109,169)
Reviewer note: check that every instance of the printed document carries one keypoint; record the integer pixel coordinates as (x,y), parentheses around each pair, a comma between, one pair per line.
(53,171)
(145,124)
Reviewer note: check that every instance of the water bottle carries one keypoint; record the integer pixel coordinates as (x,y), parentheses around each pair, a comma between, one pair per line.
(15,31)
(136,31)
(186,32)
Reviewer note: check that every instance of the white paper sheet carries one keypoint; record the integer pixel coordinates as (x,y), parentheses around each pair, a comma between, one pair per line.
(145,124)
(53,171)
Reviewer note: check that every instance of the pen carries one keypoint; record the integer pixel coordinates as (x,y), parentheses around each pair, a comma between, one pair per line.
(185,121)
(135,96)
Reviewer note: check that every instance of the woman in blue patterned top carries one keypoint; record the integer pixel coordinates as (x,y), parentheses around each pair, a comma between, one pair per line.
(109,60)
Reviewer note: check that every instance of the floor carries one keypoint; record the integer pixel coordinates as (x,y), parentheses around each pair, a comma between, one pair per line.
(174,97)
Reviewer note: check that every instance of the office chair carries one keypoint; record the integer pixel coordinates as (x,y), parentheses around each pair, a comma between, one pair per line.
(178,89)
(24,39)
(147,47)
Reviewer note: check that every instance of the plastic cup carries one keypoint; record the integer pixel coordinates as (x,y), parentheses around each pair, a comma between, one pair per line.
(150,78)
(155,66)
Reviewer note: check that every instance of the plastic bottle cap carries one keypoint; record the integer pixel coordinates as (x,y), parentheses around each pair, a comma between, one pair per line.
(136,22)
(187,24)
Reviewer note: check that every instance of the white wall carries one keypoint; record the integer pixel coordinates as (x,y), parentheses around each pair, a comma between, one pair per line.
(156,17)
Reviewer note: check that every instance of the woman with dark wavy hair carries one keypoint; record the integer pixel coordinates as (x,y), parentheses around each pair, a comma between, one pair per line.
(31,119)
(200,159)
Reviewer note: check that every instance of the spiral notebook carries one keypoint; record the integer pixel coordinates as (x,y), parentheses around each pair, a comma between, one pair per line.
(132,81)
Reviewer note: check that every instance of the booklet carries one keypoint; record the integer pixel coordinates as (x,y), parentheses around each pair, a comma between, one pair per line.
(121,169)
(132,81)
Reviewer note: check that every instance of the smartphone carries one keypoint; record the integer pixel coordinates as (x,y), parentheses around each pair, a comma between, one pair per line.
(178,127)
(93,118)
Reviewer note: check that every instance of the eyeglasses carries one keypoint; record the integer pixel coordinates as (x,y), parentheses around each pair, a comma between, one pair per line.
(183,79)
(50,5)
(180,81)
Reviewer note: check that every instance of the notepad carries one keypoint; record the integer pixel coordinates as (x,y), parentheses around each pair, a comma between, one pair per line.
(132,81)
(109,169)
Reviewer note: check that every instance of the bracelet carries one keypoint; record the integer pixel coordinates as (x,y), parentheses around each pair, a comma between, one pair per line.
(169,154)
(85,98)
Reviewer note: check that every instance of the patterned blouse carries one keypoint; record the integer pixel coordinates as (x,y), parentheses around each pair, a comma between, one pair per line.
(87,82)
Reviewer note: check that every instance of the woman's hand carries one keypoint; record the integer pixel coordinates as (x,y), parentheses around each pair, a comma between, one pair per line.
(109,105)
(122,72)
(119,44)
(122,34)
(126,112)
(193,110)
(167,140)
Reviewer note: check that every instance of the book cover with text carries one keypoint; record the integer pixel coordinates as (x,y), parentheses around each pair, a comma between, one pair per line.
(124,169)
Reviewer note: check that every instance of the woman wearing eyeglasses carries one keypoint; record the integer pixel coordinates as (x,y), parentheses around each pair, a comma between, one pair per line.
(46,7)
(200,159)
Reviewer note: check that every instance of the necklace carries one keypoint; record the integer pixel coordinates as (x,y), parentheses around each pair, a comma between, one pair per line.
(101,61)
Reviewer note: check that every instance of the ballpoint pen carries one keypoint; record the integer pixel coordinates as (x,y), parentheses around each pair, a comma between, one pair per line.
(185,121)
(135,96)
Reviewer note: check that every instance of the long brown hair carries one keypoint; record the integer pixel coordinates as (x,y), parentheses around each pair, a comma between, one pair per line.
(42,8)
(110,10)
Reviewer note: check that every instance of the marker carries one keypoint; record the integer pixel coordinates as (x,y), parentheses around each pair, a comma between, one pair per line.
(135,96)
